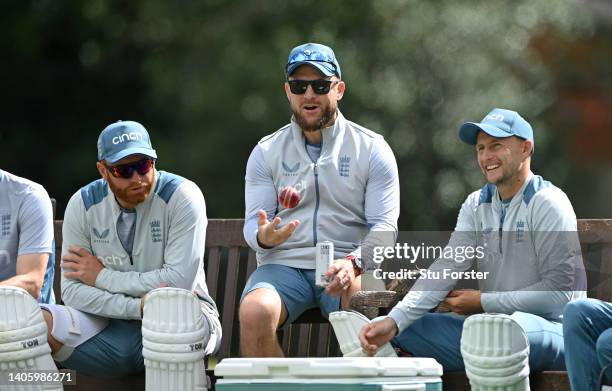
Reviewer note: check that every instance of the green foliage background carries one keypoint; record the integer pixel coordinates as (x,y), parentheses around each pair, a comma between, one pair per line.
(205,78)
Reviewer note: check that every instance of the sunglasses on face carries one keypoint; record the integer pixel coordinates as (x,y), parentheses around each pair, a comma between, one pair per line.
(320,86)
(127,170)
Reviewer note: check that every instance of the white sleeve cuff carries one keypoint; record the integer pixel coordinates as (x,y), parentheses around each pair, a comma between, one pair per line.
(400,319)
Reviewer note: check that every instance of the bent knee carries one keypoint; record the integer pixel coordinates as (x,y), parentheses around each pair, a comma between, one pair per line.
(53,343)
(48,320)
(579,307)
(259,307)
(576,312)
(604,344)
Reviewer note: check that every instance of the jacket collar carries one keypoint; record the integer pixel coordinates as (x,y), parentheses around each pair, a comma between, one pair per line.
(518,197)
(144,204)
(329,136)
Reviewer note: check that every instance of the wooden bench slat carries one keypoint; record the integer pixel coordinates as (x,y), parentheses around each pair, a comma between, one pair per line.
(251,263)
(604,288)
(595,231)
(321,348)
(225,233)
(57,232)
(303,339)
(229,299)
(285,338)
(212,271)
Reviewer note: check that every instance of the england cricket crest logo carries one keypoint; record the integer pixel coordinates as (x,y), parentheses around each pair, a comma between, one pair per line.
(344,166)
(520,231)
(156,231)
(5,225)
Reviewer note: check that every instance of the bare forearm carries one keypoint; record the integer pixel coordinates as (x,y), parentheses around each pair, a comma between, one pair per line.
(25,281)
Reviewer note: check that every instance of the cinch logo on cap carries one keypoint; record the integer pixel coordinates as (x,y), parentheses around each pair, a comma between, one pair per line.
(122,139)
(499,123)
(495,117)
(134,136)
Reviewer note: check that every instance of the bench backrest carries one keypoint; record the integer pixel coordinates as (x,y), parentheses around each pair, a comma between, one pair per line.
(596,243)
(228,263)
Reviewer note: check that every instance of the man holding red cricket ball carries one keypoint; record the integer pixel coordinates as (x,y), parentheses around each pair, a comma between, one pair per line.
(319,178)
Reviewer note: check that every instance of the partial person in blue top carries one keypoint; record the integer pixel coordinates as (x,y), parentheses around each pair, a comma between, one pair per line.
(348,181)
(587,328)
(527,228)
(26,237)
(125,235)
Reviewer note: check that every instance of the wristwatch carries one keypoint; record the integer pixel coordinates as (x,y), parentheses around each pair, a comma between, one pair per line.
(356,261)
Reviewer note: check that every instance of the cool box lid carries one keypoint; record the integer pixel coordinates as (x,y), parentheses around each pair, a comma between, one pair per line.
(327,367)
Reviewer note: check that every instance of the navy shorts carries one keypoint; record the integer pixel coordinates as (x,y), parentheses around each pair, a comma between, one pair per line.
(115,351)
(296,288)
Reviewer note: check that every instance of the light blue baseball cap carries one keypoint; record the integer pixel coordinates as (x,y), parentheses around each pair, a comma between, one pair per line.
(124,138)
(314,54)
(499,123)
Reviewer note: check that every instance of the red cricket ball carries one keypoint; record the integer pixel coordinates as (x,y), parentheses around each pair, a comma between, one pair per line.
(289,197)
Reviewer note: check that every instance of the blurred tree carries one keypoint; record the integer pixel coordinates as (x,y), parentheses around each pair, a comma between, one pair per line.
(206,79)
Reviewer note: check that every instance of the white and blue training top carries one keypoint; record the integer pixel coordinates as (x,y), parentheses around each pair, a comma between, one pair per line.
(349,191)
(26,227)
(167,250)
(532,254)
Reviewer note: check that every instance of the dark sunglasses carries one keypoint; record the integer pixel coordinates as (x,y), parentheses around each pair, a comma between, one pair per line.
(127,170)
(320,86)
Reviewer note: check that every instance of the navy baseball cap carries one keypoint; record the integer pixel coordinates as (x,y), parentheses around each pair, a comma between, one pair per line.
(499,123)
(314,54)
(122,139)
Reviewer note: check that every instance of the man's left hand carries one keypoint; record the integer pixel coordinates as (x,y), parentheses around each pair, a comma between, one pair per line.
(341,275)
(464,302)
(81,265)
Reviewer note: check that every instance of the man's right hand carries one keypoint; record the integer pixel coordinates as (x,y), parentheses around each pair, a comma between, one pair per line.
(374,335)
(268,233)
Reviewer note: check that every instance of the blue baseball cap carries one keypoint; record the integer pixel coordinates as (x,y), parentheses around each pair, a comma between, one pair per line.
(314,54)
(499,123)
(122,139)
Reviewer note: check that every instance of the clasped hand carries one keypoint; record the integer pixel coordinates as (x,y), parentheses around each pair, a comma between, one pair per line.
(80,264)
(340,276)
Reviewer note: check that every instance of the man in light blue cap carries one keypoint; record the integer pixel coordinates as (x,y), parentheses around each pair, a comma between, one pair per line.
(498,123)
(132,233)
(527,229)
(347,181)
(315,55)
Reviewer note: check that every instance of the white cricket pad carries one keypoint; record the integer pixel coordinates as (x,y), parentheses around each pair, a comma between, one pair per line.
(347,325)
(175,333)
(23,337)
(495,352)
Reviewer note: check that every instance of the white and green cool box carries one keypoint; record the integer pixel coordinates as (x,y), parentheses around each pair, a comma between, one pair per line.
(333,373)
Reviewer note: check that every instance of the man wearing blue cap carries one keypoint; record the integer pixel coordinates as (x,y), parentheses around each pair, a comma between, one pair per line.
(528,229)
(348,187)
(124,236)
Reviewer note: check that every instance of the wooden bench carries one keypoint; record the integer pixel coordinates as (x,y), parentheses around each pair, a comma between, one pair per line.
(229,261)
